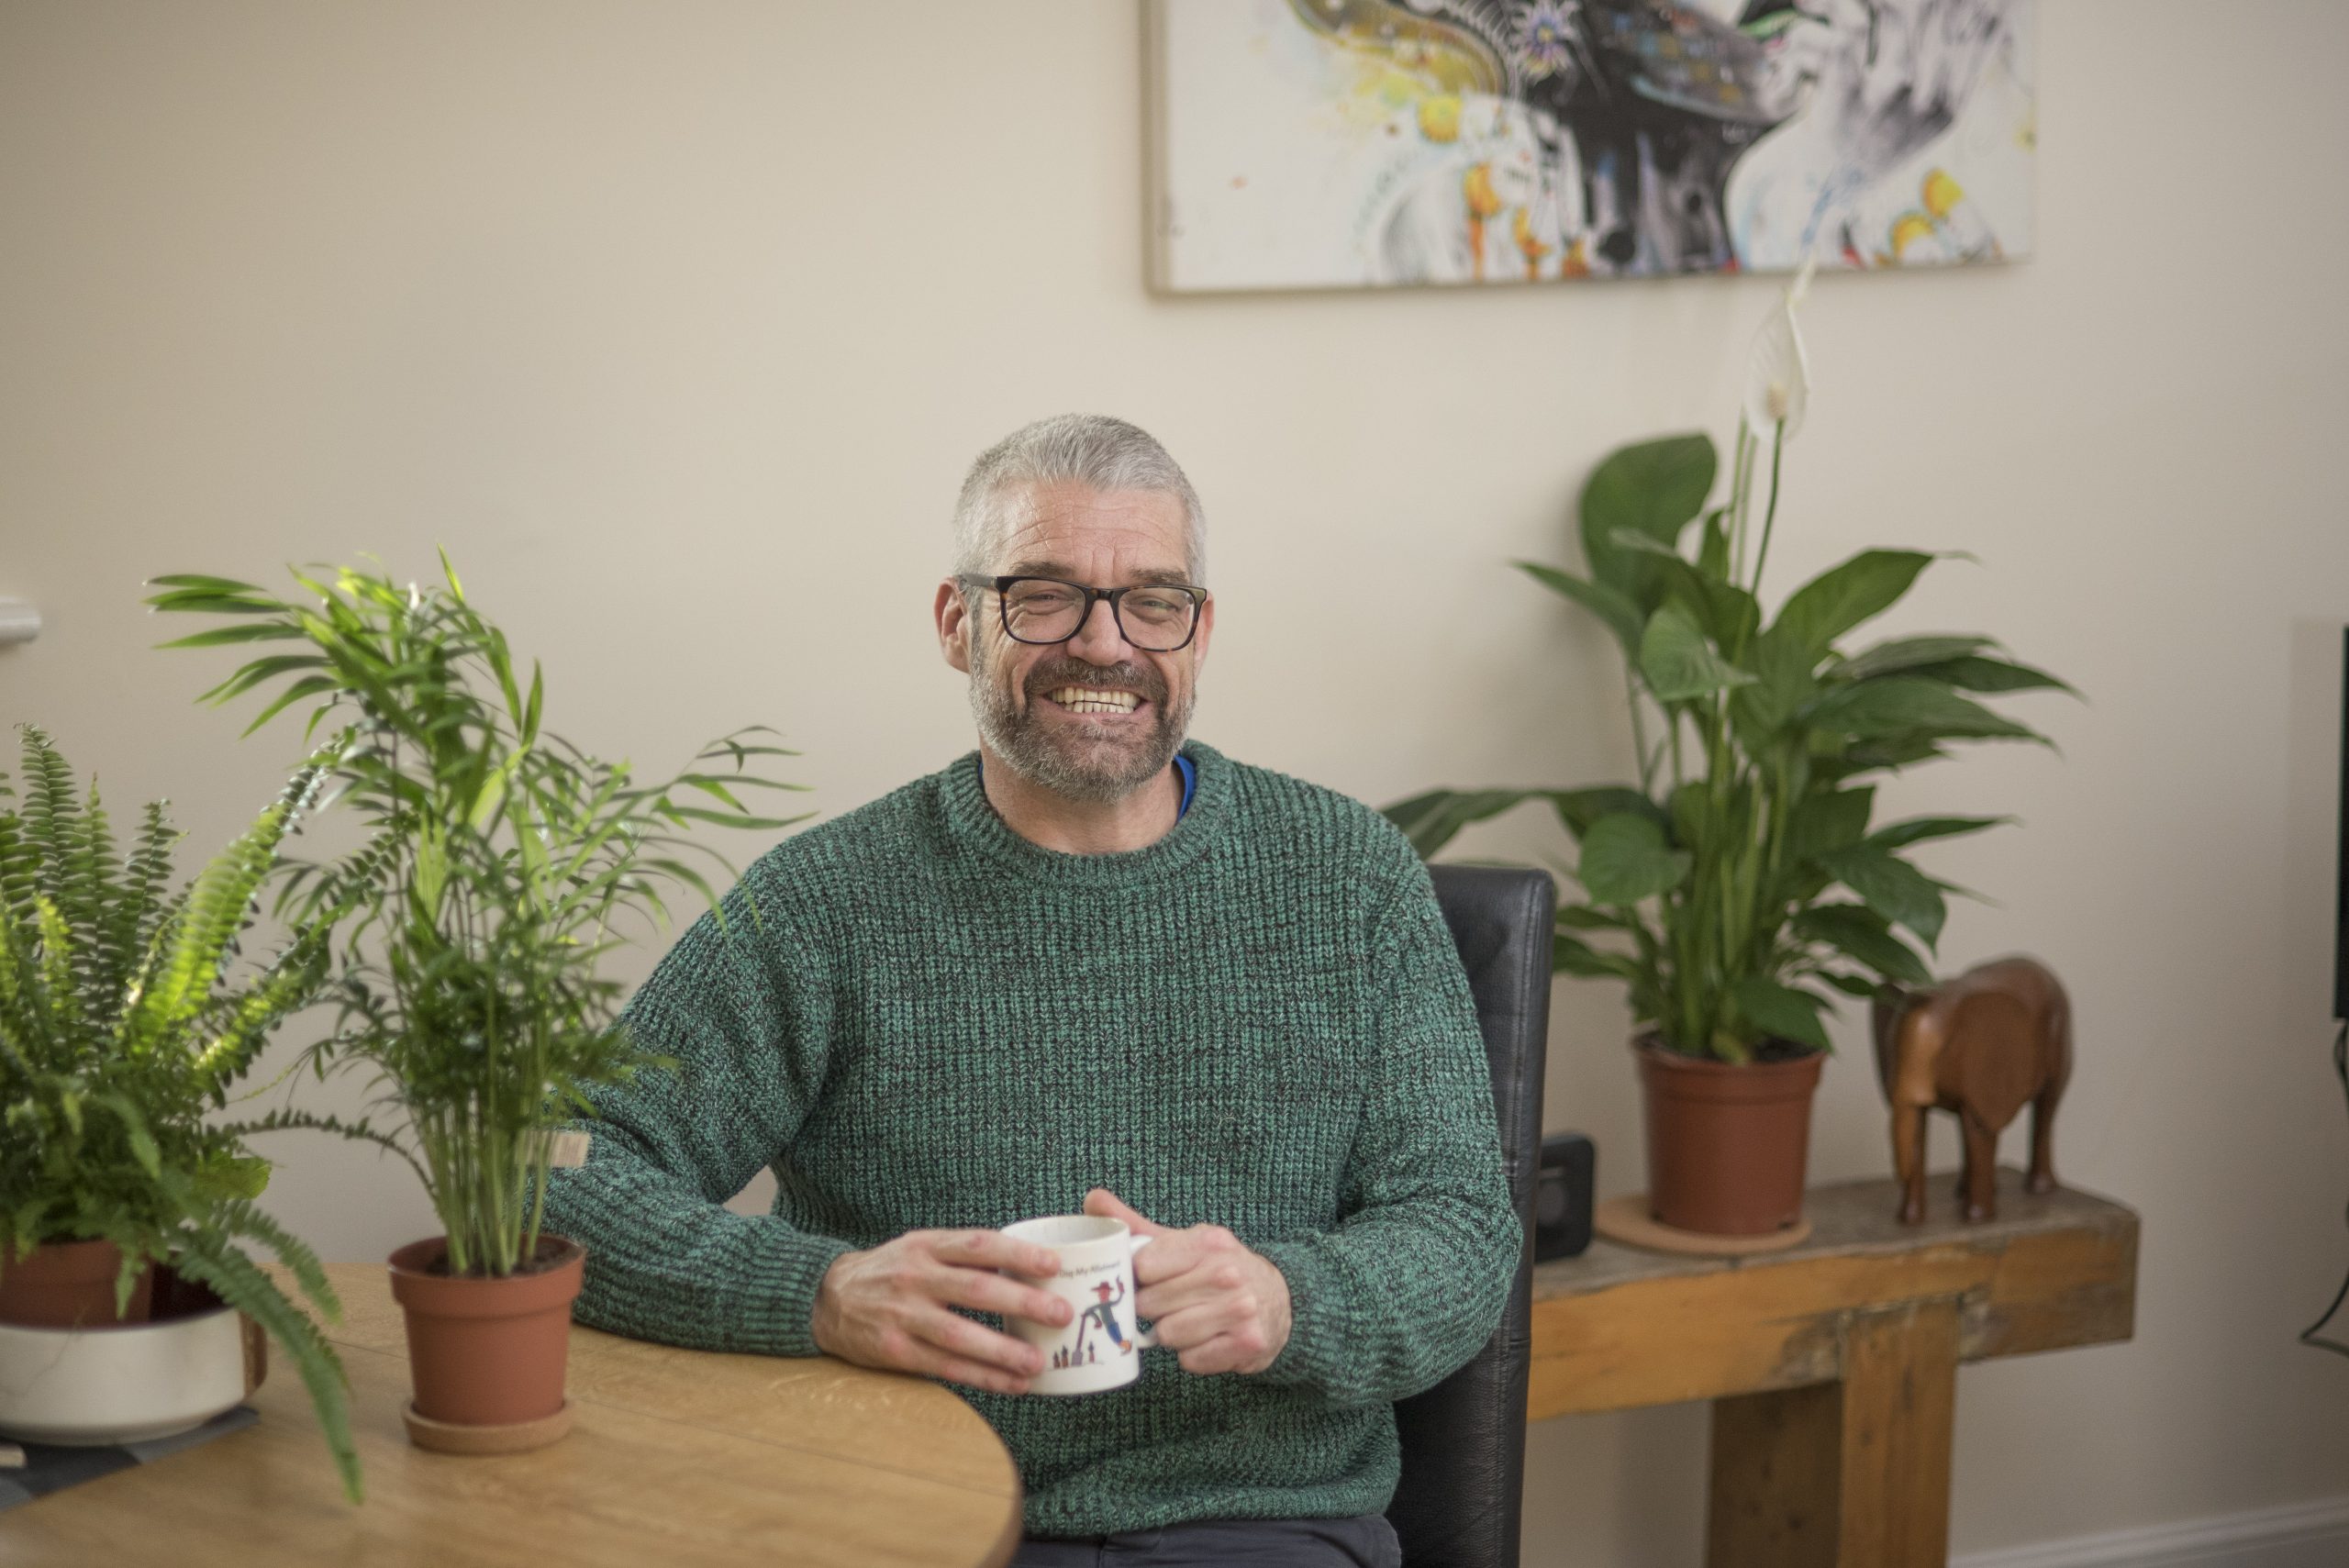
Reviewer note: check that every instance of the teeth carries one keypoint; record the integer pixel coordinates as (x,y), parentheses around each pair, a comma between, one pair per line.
(1089,699)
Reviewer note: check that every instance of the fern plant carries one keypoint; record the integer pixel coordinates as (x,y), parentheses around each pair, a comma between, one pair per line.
(125,1019)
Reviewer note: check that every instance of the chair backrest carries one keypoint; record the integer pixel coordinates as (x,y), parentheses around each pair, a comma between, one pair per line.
(1457,1504)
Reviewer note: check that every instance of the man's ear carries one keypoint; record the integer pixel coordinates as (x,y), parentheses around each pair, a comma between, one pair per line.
(952,612)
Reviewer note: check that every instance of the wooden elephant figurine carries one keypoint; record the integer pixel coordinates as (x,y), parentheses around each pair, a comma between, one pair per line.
(1983,1045)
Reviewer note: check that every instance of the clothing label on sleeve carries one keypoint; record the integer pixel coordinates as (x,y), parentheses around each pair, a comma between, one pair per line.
(567,1150)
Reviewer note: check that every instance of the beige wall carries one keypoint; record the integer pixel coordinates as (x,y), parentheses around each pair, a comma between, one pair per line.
(678,323)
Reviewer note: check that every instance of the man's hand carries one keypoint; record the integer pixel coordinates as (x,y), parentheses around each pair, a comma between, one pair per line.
(887,1307)
(1218,1305)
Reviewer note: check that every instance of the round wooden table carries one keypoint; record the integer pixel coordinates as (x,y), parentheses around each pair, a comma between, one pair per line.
(675,1458)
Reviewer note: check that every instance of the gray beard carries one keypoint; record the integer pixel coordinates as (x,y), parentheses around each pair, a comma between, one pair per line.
(1096,771)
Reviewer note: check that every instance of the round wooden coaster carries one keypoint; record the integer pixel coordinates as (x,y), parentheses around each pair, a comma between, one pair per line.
(1626,1220)
(447,1437)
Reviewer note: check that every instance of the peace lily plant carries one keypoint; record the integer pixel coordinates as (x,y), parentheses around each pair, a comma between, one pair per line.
(1742,875)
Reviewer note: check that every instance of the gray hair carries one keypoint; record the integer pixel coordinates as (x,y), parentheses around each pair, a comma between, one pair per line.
(1093,450)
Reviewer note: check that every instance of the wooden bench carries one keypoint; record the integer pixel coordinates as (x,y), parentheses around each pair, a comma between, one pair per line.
(1832,1365)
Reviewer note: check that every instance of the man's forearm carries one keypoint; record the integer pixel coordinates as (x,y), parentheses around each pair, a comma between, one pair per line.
(1392,1302)
(666,1260)
(666,1263)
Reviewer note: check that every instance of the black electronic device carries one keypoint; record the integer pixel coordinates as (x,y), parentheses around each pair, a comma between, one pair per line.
(1561,1196)
(2341,909)
(2310,1335)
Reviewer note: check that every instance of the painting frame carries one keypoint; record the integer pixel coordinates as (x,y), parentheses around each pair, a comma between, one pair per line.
(1345,144)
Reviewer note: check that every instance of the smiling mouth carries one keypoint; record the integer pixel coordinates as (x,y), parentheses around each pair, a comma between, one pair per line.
(1093,699)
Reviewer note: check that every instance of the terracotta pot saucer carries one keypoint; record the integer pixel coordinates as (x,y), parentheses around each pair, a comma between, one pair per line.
(1626,1220)
(517,1436)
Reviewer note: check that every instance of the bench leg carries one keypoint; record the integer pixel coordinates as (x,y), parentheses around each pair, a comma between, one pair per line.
(1849,1474)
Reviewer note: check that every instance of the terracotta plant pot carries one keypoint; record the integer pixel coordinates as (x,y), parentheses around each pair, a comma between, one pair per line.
(487,1355)
(65,1285)
(1727,1144)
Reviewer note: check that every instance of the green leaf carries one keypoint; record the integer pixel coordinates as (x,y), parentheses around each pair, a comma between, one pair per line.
(1861,934)
(255,673)
(258,632)
(239,1283)
(133,1127)
(1622,616)
(212,602)
(1851,985)
(1727,613)
(243,1176)
(1917,829)
(1826,821)
(1892,888)
(491,798)
(1779,1011)
(1651,487)
(1910,706)
(1783,683)
(1699,824)
(1433,820)
(1678,664)
(1866,756)
(207,584)
(1713,551)
(1908,654)
(1571,955)
(1735,614)
(1831,604)
(310,686)
(732,818)
(1625,860)
(1578,809)
(501,660)
(1980,675)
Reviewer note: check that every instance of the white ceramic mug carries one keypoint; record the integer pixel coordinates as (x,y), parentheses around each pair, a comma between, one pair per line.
(1101,1347)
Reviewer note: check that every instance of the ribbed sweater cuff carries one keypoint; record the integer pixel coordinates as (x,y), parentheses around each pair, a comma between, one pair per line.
(778,1306)
(1316,1307)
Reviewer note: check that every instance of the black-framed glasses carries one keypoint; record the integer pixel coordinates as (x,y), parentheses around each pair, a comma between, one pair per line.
(1157,618)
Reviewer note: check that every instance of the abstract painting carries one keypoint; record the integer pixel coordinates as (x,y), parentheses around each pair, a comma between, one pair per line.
(1352,143)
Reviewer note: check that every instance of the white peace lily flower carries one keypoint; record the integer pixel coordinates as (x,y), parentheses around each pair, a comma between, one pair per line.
(1778,375)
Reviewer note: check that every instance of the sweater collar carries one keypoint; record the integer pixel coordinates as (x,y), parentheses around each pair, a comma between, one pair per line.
(971,820)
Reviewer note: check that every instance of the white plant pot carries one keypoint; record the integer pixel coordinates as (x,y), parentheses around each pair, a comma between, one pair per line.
(125,1383)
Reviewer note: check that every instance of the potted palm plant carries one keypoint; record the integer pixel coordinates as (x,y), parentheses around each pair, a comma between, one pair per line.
(125,1019)
(498,858)
(1741,877)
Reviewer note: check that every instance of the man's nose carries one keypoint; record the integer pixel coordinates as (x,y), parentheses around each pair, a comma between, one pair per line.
(1098,639)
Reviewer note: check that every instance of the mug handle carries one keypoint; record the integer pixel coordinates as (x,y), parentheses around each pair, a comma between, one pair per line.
(1145,1338)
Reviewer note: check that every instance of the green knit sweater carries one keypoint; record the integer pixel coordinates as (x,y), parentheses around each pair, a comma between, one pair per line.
(917,1018)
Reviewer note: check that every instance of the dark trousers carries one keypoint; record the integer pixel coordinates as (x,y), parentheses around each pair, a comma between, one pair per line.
(1366,1540)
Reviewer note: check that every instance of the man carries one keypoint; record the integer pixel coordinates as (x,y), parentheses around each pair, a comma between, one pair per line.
(1091,965)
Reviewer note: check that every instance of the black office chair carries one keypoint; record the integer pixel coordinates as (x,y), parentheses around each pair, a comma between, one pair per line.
(1457,1504)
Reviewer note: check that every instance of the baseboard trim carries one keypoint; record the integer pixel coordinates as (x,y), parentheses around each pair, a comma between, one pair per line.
(2295,1535)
